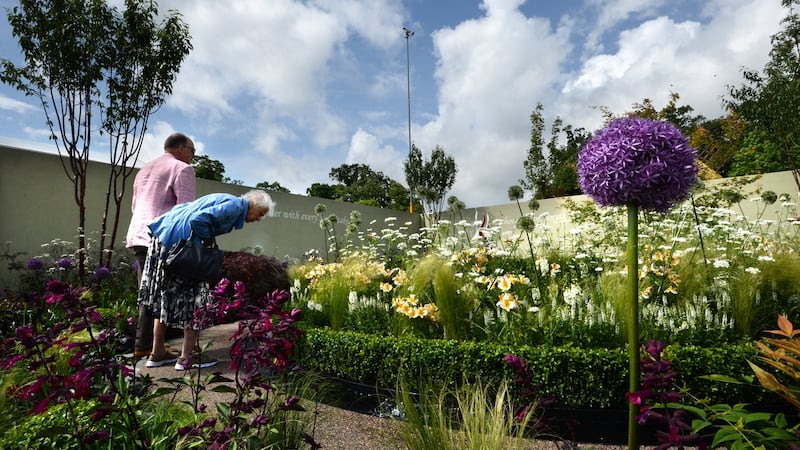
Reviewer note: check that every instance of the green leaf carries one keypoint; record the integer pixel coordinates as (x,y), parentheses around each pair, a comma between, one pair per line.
(780,420)
(757,416)
(723,379)
(698,425)
(223,388)
(699,412)
(724,435)
(224,409)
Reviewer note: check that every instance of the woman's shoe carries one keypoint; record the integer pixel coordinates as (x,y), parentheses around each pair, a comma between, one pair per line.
(195,362)
(158,361)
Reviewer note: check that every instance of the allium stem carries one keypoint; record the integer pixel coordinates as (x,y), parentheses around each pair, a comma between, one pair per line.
(633,321)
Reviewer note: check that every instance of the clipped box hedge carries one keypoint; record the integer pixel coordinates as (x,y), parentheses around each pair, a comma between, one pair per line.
(574,377)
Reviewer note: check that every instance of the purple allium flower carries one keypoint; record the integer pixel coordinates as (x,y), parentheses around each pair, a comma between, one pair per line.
(65,263)
(101,273)
(35,264)
(641,161)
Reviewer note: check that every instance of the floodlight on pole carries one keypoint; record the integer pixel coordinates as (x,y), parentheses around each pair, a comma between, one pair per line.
(409,33)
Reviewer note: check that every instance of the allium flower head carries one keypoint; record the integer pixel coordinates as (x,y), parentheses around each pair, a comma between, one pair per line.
(102,273)
(647,162)
(35,264)
(65,263)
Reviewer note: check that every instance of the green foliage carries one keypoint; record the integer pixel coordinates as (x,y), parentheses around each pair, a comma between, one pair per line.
(768,100)
(737,427)
(478,416)
(46,430)
(358,183)
(207,168)
(432,280)
(274,186)
(556,174)
(430,180)
(385,361)
(758,153)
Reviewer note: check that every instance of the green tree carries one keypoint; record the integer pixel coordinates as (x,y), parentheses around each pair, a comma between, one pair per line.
(770,100)
(207,168)
(430,180)
(414,167)
(322,190)
(552,170)
(758,153)
(274,186)
(358,183)
(680,116)
(96,71)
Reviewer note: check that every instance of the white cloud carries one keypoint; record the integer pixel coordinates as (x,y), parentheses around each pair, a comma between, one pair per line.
(377,21)
(15,106)
(660,56)
(366,148)
(491,72)
(613,12)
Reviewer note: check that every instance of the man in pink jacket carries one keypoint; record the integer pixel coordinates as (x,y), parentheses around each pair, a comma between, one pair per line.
(160,184)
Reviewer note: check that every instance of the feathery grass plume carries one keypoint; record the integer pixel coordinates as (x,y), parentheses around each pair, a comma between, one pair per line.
(432,280)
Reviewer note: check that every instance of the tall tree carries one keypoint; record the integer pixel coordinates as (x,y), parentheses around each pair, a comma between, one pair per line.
(207,168)
(430,180)
(414,167)
(771,100)
(551,170)
(358,183)
(85,60)
(274,186)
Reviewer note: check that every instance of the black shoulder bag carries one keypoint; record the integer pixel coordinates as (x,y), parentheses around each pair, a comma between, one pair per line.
(195,262)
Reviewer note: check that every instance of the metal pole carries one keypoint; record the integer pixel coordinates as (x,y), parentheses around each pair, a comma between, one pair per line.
(409,33)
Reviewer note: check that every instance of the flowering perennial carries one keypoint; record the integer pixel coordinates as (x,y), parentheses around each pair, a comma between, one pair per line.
(647,162)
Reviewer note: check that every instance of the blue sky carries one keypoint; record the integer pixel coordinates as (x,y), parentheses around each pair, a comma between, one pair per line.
(285,90)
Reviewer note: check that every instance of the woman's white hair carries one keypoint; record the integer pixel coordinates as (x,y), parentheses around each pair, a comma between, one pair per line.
(257,197)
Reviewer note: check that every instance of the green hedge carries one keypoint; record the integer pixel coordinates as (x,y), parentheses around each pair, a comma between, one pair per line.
(575,377)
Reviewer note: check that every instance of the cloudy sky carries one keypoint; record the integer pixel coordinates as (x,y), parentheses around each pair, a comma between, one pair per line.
(285,90)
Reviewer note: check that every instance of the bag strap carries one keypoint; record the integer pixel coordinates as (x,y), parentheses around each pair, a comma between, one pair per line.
(213,238)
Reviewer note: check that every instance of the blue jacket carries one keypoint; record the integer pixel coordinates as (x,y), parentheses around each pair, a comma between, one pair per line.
(208,216)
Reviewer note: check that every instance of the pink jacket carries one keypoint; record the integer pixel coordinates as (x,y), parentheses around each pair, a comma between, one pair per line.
(160,184)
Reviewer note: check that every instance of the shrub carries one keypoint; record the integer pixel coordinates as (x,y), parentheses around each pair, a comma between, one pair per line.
(260,274)
(382,361)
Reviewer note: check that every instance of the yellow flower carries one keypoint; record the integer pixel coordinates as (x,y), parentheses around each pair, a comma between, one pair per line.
(504,283)
(412,299)
(483,279)
(400,278)
(507,301)
(385,287)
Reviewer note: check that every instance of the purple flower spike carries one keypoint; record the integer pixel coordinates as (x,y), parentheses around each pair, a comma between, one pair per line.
(641,161)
